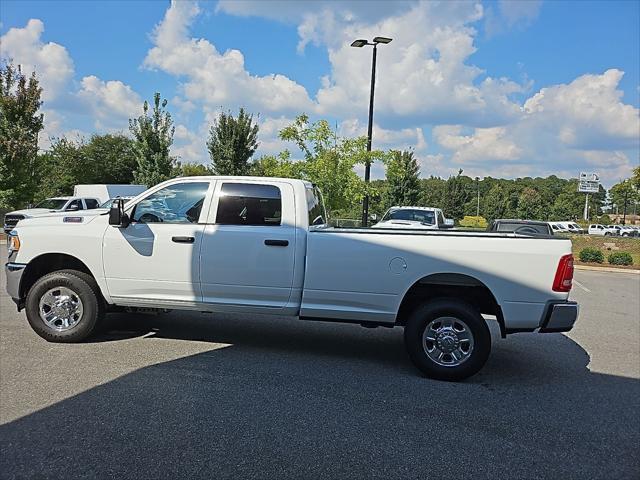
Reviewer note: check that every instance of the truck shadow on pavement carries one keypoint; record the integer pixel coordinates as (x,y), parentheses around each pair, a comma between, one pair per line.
(289,399)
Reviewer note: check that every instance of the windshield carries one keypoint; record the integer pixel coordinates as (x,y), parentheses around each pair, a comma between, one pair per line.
(51,203)
(524,228)
(427,217)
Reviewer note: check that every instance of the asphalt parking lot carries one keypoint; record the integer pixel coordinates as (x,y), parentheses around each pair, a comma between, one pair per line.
(189,395)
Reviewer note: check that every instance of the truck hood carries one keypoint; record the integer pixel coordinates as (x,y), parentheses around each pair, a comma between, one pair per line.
(58,218)
(32,212)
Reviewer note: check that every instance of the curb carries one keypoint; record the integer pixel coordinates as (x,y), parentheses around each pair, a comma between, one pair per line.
(607,269)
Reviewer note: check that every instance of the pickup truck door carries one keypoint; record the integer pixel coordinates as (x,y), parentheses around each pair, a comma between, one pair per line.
(249,244)
(155,260)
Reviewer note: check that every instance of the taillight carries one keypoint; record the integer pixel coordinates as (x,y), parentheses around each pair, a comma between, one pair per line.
(564,274)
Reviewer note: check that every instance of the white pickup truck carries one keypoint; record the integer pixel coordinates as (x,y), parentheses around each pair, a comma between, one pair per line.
(261,245)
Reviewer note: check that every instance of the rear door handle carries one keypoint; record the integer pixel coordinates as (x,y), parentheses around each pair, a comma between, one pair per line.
(183,239)
(276,243)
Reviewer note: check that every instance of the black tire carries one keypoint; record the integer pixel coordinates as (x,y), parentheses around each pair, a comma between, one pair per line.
(85,287)
(447,307)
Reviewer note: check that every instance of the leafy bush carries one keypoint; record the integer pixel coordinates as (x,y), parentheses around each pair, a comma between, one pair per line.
(620,258)
(591,255)
(473,222)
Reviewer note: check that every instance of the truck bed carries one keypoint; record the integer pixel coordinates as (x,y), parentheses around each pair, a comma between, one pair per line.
(361,273)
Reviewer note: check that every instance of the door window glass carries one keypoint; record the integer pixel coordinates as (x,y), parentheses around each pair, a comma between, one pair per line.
(317,214)
(179,203)
(249,204)
(91,203)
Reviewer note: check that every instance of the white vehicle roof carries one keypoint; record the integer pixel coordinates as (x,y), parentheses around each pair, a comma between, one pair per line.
(428,209)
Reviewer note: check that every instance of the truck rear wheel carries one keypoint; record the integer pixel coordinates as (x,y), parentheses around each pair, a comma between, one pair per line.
(447,339)
(65,306)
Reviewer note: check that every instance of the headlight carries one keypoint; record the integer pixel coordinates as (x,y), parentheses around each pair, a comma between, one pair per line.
(13,242)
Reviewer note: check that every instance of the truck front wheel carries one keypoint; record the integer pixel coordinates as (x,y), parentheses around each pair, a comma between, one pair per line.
(64,306)
(447,339)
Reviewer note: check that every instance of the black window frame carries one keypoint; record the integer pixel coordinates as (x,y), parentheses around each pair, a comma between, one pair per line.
(234,190)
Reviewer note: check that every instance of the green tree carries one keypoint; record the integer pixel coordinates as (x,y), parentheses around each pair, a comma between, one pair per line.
(432,190)
(20,123)
(276,166)
(530,204)
(329,162)
(191,170)
(403,179)
(232,142)
(112,158)
(454,196)
(153,136)
(63,166)
(620,191)
(564,207)
(635,178)
(496,203)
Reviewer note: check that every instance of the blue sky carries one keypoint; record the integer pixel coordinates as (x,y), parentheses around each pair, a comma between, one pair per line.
(496,88)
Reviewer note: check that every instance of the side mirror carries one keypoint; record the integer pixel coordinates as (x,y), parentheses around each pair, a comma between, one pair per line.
(117,217)
(448,223)
(72,208)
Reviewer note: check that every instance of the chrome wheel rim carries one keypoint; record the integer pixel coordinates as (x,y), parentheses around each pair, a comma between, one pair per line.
(60,308)
(447,341)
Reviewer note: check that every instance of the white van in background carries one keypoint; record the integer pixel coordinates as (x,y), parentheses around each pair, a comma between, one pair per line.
(557,227)
(572,227)
(105,192)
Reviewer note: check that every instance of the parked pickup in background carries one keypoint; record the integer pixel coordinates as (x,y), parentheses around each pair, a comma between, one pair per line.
(262,245)
(421,218)
(85,197)
(602,230)
(48,206)
(523,227)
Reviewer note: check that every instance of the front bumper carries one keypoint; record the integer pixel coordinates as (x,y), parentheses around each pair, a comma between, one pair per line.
(560,317)
(13,272)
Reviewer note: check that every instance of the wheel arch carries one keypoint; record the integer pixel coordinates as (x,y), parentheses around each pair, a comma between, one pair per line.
(451,285)
(47,263)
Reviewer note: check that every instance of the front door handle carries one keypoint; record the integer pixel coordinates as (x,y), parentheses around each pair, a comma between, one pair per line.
(183,239)
(276,243)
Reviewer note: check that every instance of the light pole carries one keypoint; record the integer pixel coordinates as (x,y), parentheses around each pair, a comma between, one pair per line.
(367,168)
(478,206)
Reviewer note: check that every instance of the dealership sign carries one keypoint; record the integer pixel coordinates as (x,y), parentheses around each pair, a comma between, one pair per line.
(589,182)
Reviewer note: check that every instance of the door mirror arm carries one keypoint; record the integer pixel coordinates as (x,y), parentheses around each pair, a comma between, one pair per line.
(117,217)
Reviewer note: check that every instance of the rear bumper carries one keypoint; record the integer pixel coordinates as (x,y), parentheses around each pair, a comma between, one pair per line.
(13,272)
(560,317)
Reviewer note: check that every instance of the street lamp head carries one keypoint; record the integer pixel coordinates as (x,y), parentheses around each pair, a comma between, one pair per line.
(382,40)
(359,43)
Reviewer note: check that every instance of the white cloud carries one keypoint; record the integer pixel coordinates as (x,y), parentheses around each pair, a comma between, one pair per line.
(587,112)
(51,61)
(484,145)
(214,78)
(423,74)
(565,127)
(189,147)
(401,139)
(111,103)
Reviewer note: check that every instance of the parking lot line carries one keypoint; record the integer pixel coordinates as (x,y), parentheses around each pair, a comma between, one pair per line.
(581,286)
